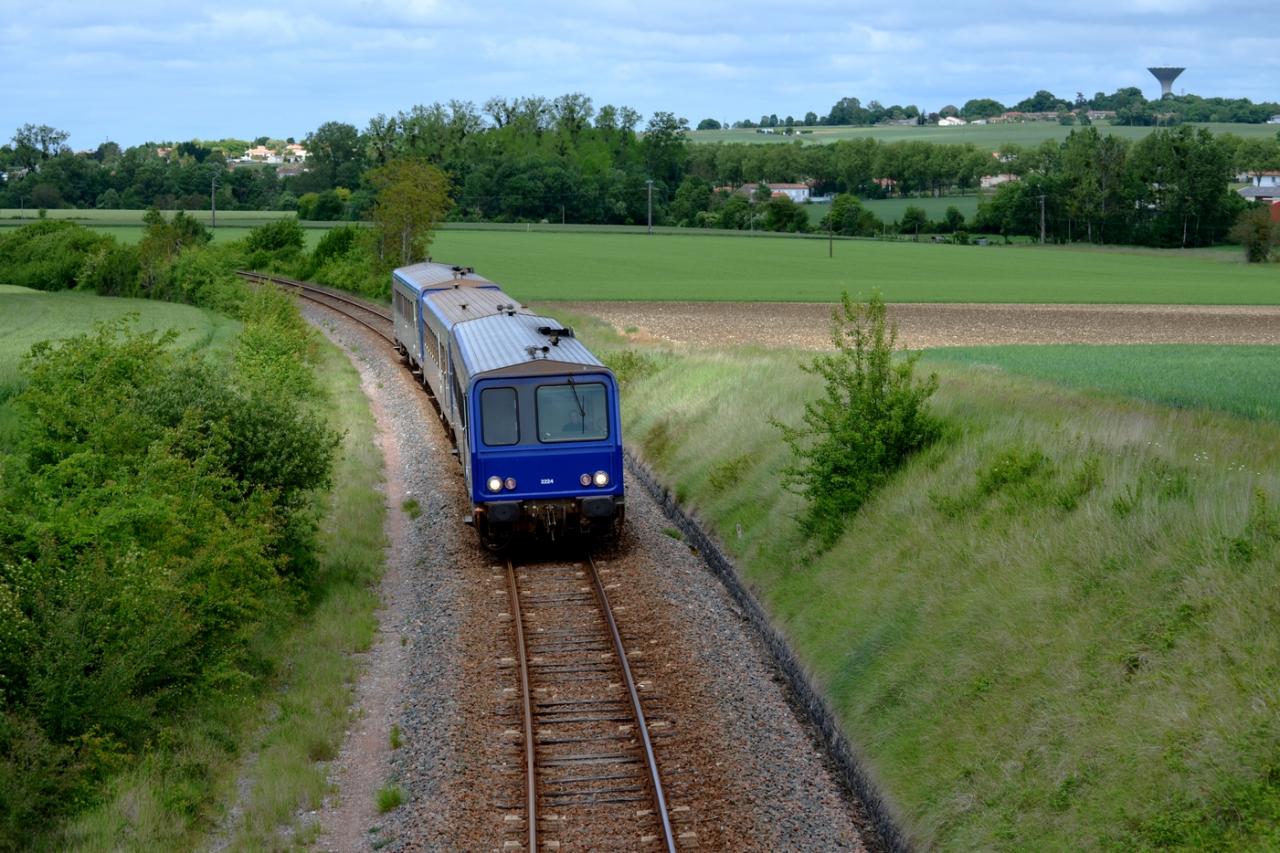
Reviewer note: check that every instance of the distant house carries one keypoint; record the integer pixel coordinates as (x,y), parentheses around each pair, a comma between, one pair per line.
(799,193)
(294,153)
(1269,178)
(290,170)
(990,182)
(951,121)
(1274,120)
(164,152)
(884,183)
(1094,115)
(1267,194)
(1275,211)
(261,154)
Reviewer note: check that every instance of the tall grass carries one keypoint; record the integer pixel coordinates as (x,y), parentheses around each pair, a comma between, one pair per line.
(1053,630)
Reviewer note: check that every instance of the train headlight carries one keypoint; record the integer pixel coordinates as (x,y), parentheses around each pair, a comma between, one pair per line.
(602,478)
(585,479)
(494,484)
(510,484)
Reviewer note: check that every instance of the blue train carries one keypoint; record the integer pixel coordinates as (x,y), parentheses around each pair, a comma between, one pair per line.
(532,413)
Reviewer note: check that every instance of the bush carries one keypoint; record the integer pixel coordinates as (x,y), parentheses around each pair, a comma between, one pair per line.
(156,511)
(283,235)
(1255,231)
(49,255)
(870,419)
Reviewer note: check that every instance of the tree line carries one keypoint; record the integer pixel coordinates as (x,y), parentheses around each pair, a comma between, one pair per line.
(565,160)
(1130,105)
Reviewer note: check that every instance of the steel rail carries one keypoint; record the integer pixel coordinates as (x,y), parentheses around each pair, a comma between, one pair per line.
(527,699)
(314,294)
(655,778)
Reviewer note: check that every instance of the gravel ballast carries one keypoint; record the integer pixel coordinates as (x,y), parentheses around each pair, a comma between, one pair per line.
(746,762)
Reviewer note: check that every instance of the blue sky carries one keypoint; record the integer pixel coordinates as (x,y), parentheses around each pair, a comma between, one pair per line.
(151,70)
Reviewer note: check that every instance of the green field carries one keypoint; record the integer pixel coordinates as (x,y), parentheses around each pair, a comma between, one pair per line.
(718,268)
(984,136)
(29,316)
(890,209)
(1052,631)
(1241,380)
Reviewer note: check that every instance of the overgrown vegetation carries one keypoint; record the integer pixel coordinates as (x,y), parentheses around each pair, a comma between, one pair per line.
(1049,631)
(870,418)
(156,510)
(157,516)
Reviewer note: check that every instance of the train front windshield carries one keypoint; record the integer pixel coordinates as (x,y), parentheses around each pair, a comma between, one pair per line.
(575,411)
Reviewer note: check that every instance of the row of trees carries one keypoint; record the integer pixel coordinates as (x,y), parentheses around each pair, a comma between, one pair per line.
(558,159)
(1129,102)
(1168,189)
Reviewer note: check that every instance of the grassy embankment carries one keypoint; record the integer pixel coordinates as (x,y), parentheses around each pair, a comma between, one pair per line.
(268,747)
(1055,630)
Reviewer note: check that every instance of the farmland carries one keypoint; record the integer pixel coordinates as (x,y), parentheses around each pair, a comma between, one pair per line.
(1241,380)
(984,136)
(714,268)
(551,263)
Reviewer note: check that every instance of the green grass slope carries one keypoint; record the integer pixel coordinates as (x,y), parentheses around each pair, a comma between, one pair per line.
(563,266)
(1055,630)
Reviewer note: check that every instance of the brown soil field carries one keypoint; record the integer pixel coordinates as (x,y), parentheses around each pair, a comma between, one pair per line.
(924,325)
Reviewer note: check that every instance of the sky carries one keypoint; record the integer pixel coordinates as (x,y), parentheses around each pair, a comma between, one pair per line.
(156,70)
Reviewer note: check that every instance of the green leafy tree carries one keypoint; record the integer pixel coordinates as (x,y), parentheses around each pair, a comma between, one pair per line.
(413,196)
(35,143)
(1257,232)
(981,108)
(849,217)
(870,418)
(913,219)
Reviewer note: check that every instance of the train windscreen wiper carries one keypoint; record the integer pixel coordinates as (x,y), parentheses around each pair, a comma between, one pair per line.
(582,411)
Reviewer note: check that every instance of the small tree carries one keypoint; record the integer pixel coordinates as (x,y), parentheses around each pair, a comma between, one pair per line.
(870,418)
(1255,230)
(413,196)
(913,219)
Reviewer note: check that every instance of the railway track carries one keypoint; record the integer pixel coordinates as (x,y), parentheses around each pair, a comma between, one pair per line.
(373,317)
(591,777)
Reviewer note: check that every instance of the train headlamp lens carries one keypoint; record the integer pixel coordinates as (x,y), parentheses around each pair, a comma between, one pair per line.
(602,478)
(510,484)
(585,479)
(494,484)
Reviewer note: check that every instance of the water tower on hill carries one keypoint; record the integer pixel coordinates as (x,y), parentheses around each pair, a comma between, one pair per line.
(1166,76)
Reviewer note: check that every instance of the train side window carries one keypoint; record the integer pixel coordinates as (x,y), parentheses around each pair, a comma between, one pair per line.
(499,416)
(577,411)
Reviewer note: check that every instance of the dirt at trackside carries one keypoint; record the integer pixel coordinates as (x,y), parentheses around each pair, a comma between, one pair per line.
(804,325)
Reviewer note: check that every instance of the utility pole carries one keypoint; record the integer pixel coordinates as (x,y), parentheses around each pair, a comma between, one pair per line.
(1041,219)
(650,186)
(213,200)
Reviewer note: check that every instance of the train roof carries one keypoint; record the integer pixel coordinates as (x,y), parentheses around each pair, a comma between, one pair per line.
(457,305)
(431,275)
(516,344)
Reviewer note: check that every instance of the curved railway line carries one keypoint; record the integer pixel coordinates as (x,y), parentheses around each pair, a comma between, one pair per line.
(588,756)
(375,318)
